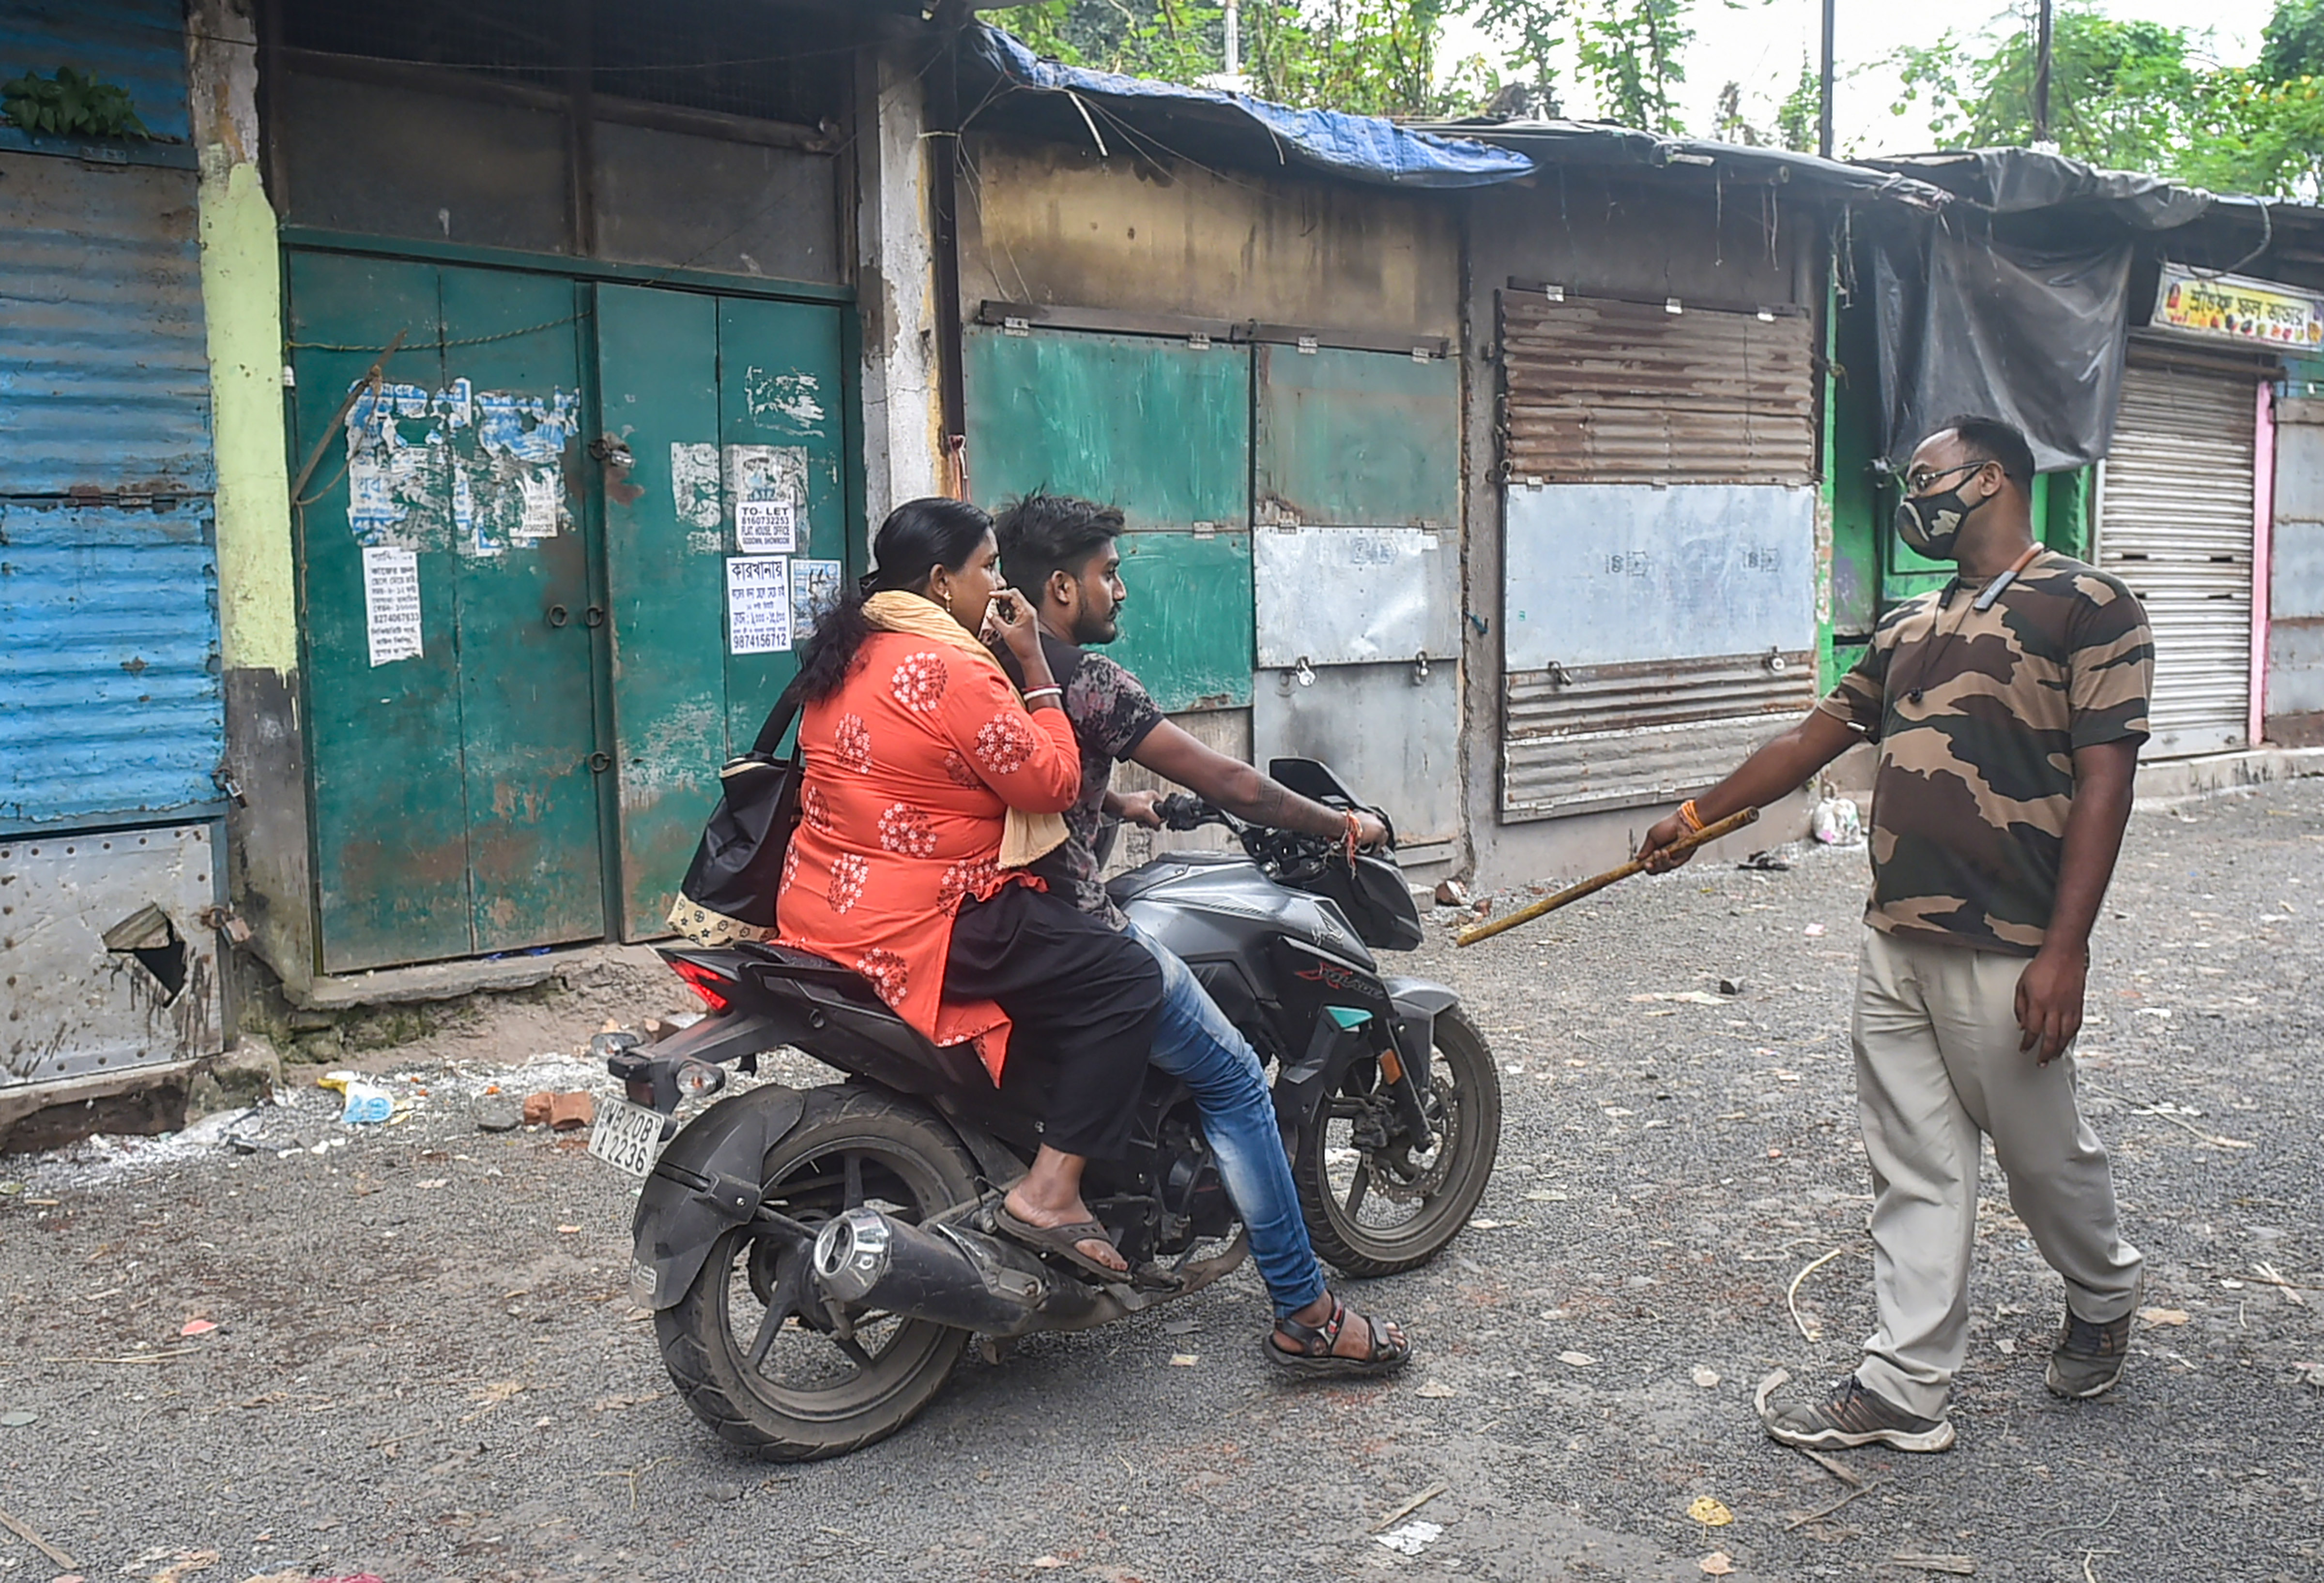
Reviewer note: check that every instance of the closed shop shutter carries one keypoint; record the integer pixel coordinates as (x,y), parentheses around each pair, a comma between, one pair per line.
(1659,549)
(2175,525)
(1599,391)
(110,704)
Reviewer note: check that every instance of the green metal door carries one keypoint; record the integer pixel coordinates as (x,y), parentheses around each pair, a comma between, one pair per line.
(731,413)
(1162,429)
(443,581)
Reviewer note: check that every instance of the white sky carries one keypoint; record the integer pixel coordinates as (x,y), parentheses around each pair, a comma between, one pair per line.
(1760,43)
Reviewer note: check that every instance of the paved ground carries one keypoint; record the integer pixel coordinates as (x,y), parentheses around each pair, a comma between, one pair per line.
(423,1366)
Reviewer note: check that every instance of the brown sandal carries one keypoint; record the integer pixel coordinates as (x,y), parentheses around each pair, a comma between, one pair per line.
(1315,1359)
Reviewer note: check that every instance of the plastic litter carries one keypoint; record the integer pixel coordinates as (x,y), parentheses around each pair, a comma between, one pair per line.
(1836,822)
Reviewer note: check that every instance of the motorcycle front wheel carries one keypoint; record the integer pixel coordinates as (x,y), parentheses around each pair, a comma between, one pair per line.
(752,1347)
(1374,1204)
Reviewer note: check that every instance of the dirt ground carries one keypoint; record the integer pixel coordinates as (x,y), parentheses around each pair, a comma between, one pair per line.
(423,1366)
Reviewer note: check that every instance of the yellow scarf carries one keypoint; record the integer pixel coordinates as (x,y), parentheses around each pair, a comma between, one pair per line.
(1025,837)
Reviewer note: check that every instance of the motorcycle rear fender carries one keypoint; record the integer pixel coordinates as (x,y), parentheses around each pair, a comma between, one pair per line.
(677,1219)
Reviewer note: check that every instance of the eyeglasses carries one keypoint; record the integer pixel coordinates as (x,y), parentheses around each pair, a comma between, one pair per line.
(1920,479)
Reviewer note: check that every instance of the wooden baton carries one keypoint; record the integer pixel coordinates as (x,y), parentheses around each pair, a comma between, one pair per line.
(1550,904)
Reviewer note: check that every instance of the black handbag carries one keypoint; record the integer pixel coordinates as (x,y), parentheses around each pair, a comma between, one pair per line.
(730,888)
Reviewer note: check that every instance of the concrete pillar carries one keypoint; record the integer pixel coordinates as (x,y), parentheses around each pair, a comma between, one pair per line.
(241,302)
(897,281)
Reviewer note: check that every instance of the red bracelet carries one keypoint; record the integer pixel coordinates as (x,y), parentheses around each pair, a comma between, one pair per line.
(1688,817)
(1352,828)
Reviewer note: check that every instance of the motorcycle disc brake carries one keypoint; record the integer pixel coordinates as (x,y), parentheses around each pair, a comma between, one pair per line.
(1396,1176)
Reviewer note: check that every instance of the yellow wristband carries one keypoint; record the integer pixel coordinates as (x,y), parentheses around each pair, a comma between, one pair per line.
(1690,818)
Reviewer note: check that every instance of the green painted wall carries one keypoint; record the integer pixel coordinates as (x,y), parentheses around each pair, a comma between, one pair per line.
(242,300)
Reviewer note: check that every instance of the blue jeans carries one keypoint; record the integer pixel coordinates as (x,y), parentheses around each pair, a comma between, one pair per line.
(1197,1044)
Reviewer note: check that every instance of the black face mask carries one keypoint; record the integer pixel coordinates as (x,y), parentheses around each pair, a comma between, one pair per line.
(1931,523)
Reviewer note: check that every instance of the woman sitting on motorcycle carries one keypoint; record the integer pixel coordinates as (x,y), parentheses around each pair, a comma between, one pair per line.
(929,786)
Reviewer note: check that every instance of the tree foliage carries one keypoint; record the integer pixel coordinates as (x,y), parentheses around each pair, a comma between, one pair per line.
(1383,57)
(2138,95)
(69,104)
(1367,57)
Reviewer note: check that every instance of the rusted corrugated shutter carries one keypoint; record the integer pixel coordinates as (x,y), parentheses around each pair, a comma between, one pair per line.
(1620,736)
(2175,524)
(1601,391)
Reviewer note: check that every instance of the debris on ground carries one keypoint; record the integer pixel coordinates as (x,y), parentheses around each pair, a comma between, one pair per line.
(1406,1508)
(1836,821)
(1711,1513)
(1717,1564)
(1452,893)
(1412,1538)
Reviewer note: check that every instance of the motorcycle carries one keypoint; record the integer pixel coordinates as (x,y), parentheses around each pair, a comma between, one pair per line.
(818,1261)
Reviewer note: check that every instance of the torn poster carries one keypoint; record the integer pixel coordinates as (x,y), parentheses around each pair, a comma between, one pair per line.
(815,588)
(758,604)
(392,602)
(766,485)
(694,483)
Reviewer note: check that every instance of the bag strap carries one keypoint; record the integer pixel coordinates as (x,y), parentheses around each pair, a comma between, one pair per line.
(778,722)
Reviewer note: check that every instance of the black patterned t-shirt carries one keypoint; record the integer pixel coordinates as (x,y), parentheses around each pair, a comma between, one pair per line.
(1111,712)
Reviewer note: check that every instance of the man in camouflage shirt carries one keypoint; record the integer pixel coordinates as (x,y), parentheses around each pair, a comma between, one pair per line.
(2007,709)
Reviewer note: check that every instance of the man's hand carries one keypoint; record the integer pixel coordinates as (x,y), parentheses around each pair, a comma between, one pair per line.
(1666,832)
(1372,831)
(1136,807)
(2050,1000)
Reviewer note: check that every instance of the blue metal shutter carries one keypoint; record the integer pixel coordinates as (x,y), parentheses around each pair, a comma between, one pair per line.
(110,700)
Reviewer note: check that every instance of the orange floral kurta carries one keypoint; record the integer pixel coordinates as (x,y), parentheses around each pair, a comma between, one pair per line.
(911,768)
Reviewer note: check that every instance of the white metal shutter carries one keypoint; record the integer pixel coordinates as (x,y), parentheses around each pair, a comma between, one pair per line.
(2175,524)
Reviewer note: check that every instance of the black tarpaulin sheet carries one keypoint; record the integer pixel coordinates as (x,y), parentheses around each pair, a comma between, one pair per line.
(1970,323)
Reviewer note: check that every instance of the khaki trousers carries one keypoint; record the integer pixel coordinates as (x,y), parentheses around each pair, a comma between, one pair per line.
(1937,1063)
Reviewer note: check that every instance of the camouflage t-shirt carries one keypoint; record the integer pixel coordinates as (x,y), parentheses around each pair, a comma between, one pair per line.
(1977,715)
(1111,712)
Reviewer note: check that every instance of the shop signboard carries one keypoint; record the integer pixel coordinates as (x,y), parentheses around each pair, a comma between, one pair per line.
(2231,308)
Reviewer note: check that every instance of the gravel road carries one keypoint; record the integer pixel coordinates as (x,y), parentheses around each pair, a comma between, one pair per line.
(423,1365)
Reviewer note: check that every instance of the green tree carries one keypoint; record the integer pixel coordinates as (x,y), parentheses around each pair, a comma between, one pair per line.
(2121,93)
(2292,43)
(1628,50)
(1367,57)
(1800,118)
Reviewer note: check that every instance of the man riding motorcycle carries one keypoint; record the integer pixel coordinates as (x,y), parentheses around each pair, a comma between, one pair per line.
(1060,551)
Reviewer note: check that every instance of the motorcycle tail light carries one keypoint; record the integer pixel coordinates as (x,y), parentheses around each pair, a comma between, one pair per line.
(708,984)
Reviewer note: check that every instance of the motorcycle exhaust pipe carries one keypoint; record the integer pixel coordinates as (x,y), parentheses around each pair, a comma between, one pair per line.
(948,1274)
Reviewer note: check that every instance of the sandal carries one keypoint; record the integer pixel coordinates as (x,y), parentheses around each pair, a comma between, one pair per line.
(1059,1240)
(1316,1360)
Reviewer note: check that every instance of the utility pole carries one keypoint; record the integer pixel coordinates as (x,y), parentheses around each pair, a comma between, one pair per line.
(1823,101)
(1234,35)
(2041,77)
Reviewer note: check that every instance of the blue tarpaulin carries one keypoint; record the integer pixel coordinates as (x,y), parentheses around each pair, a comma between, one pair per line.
(1356,148)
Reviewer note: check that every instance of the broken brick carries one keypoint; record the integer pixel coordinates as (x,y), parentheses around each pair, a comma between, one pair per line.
(537,1107)
(571,1112)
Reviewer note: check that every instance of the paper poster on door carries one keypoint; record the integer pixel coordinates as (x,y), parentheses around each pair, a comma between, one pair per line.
(765,527)
(766,485)
(758,604)
(392,602)
(815,589)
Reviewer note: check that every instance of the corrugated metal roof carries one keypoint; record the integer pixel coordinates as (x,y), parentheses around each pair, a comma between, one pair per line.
(139,45)
(104,369)
(109,690)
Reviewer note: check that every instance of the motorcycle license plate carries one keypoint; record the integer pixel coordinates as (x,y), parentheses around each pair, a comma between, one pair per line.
(626,1136)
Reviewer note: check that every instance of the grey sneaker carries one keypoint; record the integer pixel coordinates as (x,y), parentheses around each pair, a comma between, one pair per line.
(1853,1416)
(2087,1359)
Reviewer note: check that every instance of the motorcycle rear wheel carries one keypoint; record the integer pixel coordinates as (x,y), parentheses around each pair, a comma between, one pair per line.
(1344,1188)
(813,1392)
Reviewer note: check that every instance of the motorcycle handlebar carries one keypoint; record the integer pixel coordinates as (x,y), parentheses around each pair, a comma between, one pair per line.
(1183,811)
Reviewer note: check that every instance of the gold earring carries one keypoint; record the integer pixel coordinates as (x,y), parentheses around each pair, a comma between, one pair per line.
(947,598)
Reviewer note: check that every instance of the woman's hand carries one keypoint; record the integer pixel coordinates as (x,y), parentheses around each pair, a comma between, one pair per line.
(1009,620)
